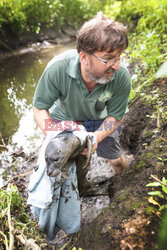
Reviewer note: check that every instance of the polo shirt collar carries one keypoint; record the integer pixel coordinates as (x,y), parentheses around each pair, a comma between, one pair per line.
(73,69)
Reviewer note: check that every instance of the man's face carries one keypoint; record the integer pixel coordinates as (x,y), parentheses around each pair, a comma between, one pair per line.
(102,65)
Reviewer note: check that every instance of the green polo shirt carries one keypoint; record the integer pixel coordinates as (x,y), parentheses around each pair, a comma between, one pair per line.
(62,91)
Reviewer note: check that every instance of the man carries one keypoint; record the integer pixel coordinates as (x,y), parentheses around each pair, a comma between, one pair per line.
(89,85)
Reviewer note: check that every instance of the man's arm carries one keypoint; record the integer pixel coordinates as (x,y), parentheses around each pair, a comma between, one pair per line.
(40,116)
(109,125)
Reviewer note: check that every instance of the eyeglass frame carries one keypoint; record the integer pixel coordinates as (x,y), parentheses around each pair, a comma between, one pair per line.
(106,61)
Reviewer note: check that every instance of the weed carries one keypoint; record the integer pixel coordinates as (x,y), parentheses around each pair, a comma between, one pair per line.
(14,220)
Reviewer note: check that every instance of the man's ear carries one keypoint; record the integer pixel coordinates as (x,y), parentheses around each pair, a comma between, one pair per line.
(83,57)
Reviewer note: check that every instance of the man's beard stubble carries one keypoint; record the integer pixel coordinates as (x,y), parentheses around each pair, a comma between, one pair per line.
(102,79)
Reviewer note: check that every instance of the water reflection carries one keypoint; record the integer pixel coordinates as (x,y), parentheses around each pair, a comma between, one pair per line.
(19,105)
(28,136)
(18,79)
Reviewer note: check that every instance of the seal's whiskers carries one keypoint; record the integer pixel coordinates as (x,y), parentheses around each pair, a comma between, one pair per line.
(63,175)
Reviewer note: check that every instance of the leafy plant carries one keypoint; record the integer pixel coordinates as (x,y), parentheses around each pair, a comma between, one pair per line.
(162,240)
(162,193)
(162,71)
(23,16)
(14,220)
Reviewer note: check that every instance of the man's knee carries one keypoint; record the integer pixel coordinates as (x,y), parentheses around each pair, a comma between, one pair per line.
(118,164)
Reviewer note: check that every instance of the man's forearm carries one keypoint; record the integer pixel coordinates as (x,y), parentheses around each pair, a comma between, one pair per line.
(41,115)
(109,125)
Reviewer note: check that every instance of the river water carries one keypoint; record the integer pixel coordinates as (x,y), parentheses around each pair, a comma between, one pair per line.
(19,75)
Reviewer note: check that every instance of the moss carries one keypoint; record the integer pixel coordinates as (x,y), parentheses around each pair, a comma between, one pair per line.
(122,197)
(129,205)
(107,209)
(112,205)
(154,153)
(148,133)
(112,232)
(86,234)
(150,210)
(149,155)
(136,204)
(139,166)
(155,150)
(97,235)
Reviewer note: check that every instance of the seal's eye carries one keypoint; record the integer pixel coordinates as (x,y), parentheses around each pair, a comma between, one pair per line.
(64,138)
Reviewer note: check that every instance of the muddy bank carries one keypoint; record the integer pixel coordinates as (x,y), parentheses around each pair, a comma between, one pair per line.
(130,221)
(13,44)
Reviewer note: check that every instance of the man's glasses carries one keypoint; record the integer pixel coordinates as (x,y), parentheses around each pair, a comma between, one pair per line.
(110,61)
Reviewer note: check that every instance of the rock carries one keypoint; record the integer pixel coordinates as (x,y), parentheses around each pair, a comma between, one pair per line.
(100,170)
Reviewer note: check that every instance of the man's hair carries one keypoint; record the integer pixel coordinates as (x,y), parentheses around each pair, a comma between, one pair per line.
(102,34)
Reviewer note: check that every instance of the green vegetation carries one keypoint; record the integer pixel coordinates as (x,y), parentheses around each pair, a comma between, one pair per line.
(148,41)
(147,25)
(162,241)
(30,15)
(162,193)
(16,228)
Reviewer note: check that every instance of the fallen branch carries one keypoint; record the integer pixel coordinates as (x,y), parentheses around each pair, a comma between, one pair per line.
(6,240)
(156,179)
(19,175)
(28,244)
(6,46)
(163,139)
(65,245)
(3,145)
(11,236)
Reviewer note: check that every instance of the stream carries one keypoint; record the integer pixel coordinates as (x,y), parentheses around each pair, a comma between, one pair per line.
(19,76)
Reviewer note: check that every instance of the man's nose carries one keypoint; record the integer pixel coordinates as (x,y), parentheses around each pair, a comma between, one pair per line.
(116,65)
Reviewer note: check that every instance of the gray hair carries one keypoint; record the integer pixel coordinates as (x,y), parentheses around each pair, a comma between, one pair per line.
(102,34)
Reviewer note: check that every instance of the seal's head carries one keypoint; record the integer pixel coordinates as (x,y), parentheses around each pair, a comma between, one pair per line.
(58,152)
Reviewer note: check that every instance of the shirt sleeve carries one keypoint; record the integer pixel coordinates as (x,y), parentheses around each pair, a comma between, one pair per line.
(117,105)
(46,92)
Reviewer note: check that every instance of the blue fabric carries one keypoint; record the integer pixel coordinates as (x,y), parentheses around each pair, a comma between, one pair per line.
(64,211)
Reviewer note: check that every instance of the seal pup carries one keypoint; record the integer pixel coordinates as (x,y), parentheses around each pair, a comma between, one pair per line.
(63,150)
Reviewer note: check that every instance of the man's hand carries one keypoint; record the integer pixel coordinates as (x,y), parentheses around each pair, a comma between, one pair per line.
(109,125)
(94,147)
(41,115)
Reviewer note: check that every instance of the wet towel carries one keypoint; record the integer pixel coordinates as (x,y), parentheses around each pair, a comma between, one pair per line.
(56,205)
(64,210)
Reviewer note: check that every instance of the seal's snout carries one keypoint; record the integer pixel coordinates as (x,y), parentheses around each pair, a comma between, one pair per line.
(56,160)
(52,171)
